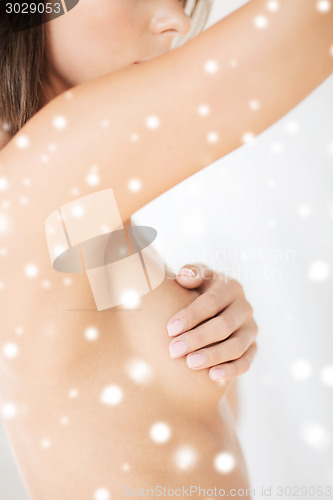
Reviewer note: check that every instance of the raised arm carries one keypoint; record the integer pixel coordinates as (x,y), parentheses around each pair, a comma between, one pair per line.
(150,121)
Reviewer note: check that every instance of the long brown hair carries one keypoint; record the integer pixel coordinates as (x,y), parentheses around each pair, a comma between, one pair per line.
(22,64)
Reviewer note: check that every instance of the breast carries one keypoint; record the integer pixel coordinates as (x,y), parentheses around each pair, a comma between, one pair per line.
(59,323)
(145,331)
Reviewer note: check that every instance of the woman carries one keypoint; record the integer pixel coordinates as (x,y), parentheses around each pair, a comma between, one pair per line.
(57,360)
(79,434)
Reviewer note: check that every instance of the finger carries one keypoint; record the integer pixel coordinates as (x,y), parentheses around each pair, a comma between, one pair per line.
(215,330)
(226,371)
(190,276)
(220,293)
(222,352)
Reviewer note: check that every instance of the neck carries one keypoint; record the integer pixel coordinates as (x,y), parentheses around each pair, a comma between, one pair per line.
(51,87)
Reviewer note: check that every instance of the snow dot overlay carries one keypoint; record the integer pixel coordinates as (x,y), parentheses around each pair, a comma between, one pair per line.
(102,494)
(185,457)
(224,462)
(8,410)
(160,432)
(319,271)
(112,395)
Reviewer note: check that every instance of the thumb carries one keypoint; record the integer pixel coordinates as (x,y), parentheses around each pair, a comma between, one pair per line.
(189,276)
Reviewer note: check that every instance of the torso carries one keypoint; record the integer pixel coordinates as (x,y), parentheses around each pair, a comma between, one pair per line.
(68,443)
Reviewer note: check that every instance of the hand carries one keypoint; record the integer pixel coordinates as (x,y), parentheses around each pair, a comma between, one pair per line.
(227,324)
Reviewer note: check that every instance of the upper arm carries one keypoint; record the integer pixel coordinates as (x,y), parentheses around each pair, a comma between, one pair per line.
(154,130)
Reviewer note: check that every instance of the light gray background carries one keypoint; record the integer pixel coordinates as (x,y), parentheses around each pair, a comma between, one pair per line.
(264,214)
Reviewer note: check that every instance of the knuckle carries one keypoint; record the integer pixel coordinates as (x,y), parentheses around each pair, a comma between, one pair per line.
(213,356)
(246,307)
(227,323)
(237,347)
(249,308)
(185,337)
(246,362)
(237,287)
(233,369)
(196,338)
(254,347)
(211,299)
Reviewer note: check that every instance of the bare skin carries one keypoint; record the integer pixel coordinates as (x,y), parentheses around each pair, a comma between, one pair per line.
(56,358)
(82,460)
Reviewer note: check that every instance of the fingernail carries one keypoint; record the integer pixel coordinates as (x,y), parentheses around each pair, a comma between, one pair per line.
(177,326)
(217,374)
(195,360)
(178,349)
(186,272)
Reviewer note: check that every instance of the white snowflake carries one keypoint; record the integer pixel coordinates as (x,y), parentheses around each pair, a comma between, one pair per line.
(134,185)
(323,5)
(160,432)
(125,466)
(22,141)
(326,375)
(4,224)
(59,122)
(8,410)
(273,5)
(301,369)
(130,299)
(186,457)
(26,182)
(212,137)
(304,210)
(292,127)
(102,494)
(319,270)
(5,126)
(31,270)
(153,122)
(73,393)
(10,350)
(3,183)
(139,371)
(203,110)
(254,104)
(24,200)
(92,179)
(224,462)
(260,22)
(45,443)
(134,137)
(248,137)
(211,66)
(315,435)
(91,333)
(277,147)
(77,210)
(112,395)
